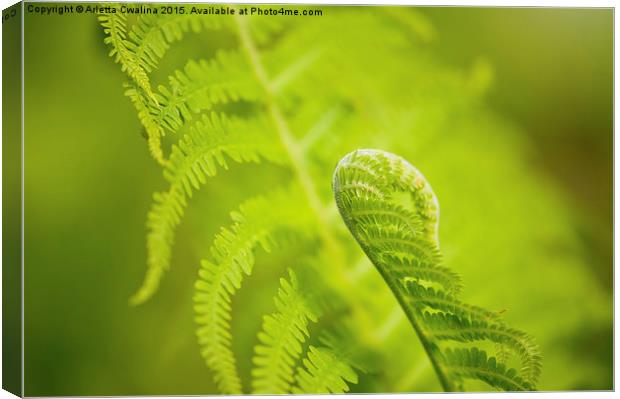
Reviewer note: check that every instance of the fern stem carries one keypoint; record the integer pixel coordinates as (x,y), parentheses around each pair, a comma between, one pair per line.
(401,297)
(292,147)
(429,348)
(426,343)
(296,153)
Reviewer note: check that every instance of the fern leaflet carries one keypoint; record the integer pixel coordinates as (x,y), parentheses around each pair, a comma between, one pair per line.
(266,222)
(203,84)
(115,26)
(281,340)
(324,372)
(152,34)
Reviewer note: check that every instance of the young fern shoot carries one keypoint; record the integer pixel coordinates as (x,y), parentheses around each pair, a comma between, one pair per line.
(257,100)
(393,213)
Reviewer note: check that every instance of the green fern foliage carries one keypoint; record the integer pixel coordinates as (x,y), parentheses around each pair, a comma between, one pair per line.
(195,90)
(281,339)
(474,363)
(444,326)
(203,84)
(138,51)
(115,27)
(265,222)
(277,367)
(154,131)
(209,145)
(152,34)
(260,97)
(324,372)
(391,210)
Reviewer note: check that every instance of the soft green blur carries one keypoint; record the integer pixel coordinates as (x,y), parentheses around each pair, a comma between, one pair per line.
(554,76)
(89,181)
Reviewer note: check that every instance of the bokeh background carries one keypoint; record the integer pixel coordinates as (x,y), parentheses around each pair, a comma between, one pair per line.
(89,181)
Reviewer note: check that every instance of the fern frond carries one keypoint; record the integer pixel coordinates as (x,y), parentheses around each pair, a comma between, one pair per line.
(197,156)
(444,326)
(202,84)
(473,363)
(281,339)
(139,50)
(324,372)
(372,211)
(265,222)
(392,212)
(386,174)
(154,131)
(152,34)
(408,266)
(397,242)
(115,26)
(420,297)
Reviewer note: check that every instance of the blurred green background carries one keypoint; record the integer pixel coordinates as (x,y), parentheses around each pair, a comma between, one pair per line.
(89,181)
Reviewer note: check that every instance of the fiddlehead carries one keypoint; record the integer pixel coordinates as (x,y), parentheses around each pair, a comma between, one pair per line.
(393,213)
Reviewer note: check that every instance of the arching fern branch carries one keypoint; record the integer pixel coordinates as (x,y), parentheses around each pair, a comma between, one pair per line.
(138,51)
(115,27)
(281,339)
(392,212)
(265,222)
(152,34)
(323,370)
(209,145)
(202,84)
(154,131)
